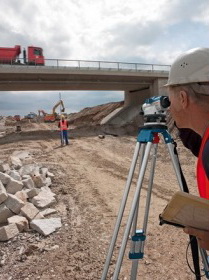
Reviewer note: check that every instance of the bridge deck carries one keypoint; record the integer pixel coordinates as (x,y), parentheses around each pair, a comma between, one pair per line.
(80,75)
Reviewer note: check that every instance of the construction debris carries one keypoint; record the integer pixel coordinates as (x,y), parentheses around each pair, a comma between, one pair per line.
(25,196)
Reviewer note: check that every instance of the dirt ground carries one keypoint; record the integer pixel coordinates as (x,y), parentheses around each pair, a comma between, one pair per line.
(90,176)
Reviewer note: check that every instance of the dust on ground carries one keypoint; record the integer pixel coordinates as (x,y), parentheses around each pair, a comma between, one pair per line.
(90,176)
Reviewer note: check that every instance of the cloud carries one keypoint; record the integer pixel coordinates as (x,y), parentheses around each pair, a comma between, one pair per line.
(145,31)
(102,29)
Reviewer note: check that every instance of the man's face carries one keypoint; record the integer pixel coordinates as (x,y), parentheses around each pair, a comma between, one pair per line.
(176,109)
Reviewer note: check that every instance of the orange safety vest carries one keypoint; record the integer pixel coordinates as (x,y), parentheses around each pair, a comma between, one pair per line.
(202,180)
(63,125)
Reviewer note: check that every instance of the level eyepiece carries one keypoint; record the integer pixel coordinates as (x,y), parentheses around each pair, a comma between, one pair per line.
(165,102)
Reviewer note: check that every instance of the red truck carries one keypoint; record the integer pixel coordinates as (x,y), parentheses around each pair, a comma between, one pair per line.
(33,56)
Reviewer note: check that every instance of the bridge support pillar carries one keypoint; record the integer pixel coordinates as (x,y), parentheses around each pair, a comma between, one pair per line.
(133,100)
(157,88)
(136,97)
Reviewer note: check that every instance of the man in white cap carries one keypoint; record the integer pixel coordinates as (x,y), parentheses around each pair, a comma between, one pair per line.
(188,88)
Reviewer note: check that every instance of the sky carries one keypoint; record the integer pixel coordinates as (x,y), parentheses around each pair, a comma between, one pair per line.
(138,31)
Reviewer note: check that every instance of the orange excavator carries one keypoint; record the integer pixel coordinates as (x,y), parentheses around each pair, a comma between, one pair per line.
(41,112)
(54,116)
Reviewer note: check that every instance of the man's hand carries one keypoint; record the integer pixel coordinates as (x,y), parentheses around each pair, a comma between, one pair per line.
(201,235)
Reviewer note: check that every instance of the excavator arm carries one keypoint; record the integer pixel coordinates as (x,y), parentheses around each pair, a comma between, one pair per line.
(56,105)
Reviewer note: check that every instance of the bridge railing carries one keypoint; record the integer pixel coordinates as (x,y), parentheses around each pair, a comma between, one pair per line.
(97,65)
(106,65)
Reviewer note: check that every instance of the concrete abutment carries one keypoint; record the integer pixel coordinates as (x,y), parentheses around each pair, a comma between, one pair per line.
(133,100)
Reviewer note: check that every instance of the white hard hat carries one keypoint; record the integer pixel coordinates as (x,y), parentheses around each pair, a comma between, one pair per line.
(190,67)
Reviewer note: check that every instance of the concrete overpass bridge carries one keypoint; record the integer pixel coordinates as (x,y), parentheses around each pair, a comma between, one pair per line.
(137,80)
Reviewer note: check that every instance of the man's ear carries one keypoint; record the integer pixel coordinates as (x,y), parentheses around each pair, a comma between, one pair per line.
(184,99)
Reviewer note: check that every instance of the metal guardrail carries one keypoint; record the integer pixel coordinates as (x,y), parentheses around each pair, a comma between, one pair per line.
(97,65)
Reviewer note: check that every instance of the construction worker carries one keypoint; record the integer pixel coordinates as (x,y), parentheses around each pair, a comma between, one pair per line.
(188,89)
(63,125)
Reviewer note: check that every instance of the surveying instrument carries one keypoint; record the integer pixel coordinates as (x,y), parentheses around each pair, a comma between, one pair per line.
(154,113)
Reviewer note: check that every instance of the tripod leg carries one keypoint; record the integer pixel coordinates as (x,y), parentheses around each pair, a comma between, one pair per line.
(205,260)
(132,211)
(175,163)
(134,225)
(121,211)
(140,247)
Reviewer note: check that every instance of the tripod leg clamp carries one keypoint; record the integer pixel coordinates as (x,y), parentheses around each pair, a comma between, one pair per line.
(139,236)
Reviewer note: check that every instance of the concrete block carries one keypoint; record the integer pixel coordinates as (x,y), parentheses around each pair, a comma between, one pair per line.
(29,211)
(4,178)
(38,180)
(4,167)
(48,211)
(29,169)
(21,222)
(22,195)
(47,190)
(14,203)
(43,199)
(44,171)
(8,232)
(25,176)
(3,193)
(50,175)
(46,226)
(28,183)
(16,162)
(14,186)
(47,182)
(5,213)
(15,175)
(39,216)
(22,154)
(33,192)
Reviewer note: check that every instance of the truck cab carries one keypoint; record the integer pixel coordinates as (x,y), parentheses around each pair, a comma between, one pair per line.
(35,56)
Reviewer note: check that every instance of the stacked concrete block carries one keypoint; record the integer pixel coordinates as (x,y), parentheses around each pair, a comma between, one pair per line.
(3,193)
(43,199)
(8,232)
(5,213)
(29,211)
(14,203)
(15,162)
(24,198)
(21,222)
(32,192)
(14,186)
(4,167)
(46,226)
(38,180)
(15,175)
(28,183)
(4,178)
(22,195)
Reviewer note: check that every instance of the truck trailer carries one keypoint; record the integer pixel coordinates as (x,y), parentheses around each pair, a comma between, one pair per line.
(33,56)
